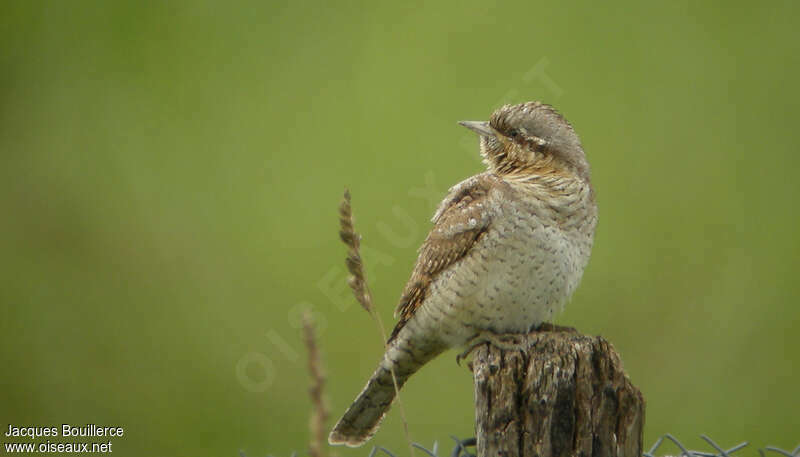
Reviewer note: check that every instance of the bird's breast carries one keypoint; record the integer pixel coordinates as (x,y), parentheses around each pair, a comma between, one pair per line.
(520,273)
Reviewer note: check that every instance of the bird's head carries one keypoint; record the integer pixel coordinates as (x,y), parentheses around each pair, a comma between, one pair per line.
(527,137)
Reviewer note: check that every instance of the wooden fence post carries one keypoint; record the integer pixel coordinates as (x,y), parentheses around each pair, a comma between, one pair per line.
(561,394)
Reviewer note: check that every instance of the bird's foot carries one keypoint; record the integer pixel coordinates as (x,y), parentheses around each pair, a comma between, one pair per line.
(506,342)
(548,327)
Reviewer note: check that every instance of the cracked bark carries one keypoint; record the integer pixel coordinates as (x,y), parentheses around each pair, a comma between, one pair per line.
(559,394)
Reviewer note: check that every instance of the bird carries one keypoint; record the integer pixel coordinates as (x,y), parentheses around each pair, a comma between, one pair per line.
(507,250)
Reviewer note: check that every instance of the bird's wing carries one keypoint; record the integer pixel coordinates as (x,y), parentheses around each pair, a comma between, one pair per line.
(458,223)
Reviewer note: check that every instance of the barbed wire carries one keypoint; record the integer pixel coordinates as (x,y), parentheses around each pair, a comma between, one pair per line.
(688,453)
(794,453)
(461,449)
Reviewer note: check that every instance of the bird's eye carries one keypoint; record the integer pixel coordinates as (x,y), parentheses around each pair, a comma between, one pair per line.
(513,133)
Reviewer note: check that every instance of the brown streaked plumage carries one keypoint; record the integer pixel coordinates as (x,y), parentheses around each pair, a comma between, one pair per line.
(444,247)
(506,251)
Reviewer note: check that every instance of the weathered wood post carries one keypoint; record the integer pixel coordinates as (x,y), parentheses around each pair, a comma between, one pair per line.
(562,394)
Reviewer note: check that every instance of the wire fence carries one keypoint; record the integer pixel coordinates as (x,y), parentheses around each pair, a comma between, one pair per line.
(718,451)
(465,448)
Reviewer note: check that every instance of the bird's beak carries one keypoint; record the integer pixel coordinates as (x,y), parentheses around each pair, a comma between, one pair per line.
(485,130)
(479,127)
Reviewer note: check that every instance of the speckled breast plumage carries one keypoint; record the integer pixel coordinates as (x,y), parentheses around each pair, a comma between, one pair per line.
(522,270)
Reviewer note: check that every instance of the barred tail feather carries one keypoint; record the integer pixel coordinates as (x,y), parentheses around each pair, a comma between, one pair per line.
(364,416)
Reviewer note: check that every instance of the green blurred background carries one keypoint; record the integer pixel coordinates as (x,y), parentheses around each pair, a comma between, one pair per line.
(170,173)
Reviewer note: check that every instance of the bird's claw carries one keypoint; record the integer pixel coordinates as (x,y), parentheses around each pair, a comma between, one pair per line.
(507,342)
(465,354)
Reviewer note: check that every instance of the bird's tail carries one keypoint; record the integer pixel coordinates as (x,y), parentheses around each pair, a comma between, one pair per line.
(362,418)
